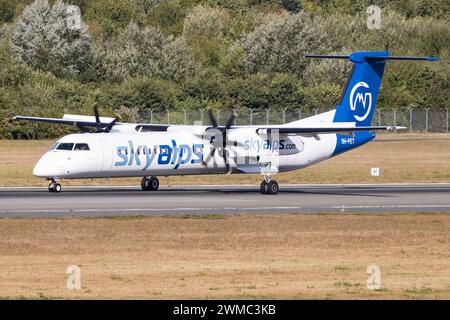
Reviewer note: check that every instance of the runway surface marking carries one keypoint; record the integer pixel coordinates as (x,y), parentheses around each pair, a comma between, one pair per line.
(178,200)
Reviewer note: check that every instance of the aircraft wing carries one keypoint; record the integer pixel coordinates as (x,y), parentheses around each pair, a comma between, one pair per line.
(298,130)
(91,121)
(78,120)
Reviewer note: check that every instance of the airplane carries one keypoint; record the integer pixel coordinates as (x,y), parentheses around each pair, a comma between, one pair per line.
(108,148)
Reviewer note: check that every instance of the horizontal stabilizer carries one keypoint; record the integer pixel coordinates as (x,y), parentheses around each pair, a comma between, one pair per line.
(361,56)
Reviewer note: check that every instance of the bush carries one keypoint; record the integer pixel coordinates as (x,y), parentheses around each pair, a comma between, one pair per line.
(112,16)
(291,5)
(168,15)
(7,10)
(141,92)
(52,38)
(198,54)
(147,52)
(279,46)
(205,22)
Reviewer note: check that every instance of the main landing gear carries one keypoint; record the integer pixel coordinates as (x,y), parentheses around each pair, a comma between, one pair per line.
(149,183)
(270,187)
(54,187)
(267,186)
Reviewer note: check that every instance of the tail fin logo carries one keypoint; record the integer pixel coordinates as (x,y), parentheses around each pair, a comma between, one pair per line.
(360,97)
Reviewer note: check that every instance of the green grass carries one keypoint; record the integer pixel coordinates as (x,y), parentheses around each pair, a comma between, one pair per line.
(340,268)
(395,154)
(38,296)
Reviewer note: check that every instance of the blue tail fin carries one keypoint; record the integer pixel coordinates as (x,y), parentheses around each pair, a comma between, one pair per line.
(361,90)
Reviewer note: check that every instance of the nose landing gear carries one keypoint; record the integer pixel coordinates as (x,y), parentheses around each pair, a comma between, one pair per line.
(54,187)
(149,183)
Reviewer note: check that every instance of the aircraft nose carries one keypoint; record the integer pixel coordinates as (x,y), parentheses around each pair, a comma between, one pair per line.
(41,169)
(48,167)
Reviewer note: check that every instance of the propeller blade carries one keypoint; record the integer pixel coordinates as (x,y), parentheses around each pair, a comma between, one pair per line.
(212,119)
(96,114)
(214,134)
(225,158)
(97,118)
(209,157)
(109,126)
(230,121)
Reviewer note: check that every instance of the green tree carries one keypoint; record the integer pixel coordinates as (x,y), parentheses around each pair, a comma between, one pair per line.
(206,22)
(52,38)
(7,10)
(147,52)
(291,5)
(279,45)
(168,15)
(109,17)
(141,92)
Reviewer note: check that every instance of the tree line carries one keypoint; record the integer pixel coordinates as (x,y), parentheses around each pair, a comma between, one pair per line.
(129,57)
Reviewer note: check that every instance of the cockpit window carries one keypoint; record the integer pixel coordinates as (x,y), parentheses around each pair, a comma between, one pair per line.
(65,146)
(81,147)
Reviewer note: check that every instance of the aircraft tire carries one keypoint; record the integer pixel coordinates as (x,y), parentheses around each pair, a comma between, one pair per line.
(263,188)
(153,184)
(272,187)
(145,182)
(54,187)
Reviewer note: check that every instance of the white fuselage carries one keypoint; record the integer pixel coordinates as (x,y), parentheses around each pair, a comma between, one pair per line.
(179,151)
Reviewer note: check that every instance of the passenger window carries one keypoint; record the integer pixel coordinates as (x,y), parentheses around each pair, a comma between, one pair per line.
(81,147)
(65,146)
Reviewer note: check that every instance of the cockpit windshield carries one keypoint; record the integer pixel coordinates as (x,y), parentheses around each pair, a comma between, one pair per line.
(81,147)
(69,146)
(65,146)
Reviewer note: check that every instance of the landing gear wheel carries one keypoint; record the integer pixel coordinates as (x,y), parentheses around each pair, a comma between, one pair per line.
(270,187)
(154,184)
(263,187)
(54,187)
(144,184)
(150,184)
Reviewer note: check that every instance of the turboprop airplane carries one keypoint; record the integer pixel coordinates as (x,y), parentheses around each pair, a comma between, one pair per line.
(116,149)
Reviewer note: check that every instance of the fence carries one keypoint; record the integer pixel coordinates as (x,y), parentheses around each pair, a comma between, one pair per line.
(416,120)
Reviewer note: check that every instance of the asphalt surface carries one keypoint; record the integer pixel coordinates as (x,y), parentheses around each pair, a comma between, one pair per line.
(203,200)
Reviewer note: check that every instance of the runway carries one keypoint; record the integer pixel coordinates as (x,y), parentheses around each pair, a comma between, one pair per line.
(205,200)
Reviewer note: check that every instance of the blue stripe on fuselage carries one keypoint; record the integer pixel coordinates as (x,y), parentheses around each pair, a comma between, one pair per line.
(347,142)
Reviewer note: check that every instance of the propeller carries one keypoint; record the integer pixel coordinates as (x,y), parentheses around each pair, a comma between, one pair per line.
(217,136)
(100,127)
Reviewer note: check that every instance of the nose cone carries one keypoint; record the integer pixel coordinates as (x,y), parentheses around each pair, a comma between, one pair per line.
(42,169)
(47,167)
